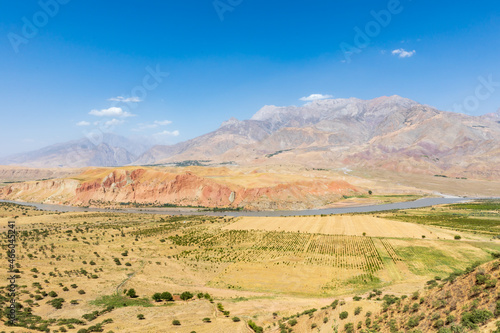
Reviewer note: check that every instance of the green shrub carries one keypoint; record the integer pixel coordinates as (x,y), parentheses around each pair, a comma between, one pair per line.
(175,322)
(157,297)
(343,315)
(131,293)
(438,323)
(471,319)
(413,322)
(490,283)
(167,296)
(254,327)
(349,328)
(186,295)
(56,302)
(481,278)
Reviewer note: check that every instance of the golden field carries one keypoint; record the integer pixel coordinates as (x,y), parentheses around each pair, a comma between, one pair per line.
(259,269)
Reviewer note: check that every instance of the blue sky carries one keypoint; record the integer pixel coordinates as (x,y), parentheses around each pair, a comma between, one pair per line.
(62,61)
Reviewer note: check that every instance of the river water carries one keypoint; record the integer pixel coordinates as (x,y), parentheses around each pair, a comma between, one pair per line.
(425,202)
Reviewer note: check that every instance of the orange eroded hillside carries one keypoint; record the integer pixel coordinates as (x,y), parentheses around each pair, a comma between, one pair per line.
(193,186)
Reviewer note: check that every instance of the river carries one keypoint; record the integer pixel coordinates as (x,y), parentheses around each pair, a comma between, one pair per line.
(424,202)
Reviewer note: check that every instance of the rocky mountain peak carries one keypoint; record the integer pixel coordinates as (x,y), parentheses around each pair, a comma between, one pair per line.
(231,121)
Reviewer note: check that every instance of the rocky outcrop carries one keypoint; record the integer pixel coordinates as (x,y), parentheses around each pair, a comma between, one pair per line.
(184,188)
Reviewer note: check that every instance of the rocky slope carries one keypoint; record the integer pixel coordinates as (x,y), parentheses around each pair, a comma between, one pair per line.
(217,188)
(390,133)
(462,303)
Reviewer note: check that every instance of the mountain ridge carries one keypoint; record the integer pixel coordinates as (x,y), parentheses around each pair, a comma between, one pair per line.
(388,132)
(353,133)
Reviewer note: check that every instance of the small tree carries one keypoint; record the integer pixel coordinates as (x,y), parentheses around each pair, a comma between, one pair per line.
(131,293)
(167,296)
(175,322)
(186,295)
(56,302)
(140,316)
(157,297)
(343,315)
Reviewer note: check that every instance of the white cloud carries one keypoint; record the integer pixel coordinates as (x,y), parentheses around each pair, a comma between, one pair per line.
(132,99)
(155,124)
(315,97)
(168,133)
(402,53)
(111,112)
(83,123)
(162,122)
(114,122)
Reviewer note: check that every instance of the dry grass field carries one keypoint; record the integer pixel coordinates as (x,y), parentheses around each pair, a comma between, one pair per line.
(76,270)
(352,225)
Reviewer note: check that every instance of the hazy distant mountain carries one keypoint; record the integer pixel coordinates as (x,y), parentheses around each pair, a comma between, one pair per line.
(391,133)
(108,150)
(388,133)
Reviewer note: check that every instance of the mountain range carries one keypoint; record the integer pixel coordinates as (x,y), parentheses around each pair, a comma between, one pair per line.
(388,133)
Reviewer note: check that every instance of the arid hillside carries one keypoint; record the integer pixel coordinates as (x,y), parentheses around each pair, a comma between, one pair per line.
(385,133)
(463,302)
(13,174)
(195,186)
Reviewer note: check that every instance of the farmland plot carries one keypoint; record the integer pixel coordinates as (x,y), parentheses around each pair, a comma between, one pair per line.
(351,225)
